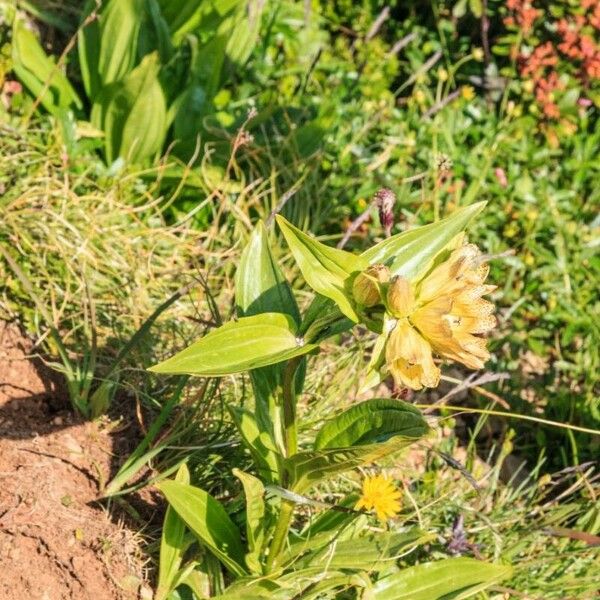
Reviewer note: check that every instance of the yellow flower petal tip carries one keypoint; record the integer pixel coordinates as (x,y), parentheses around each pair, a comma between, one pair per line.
(381,496)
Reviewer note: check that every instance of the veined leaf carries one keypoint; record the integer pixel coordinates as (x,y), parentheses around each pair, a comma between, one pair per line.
(208,521)
(242,345)
(308,468)
(327,270)
(258,441)
(119,28)
(454,578)
(256,518)
(370,553)
(369,422)
(121,110)
(411,253)
(259,284)
(172,544)
(38,72)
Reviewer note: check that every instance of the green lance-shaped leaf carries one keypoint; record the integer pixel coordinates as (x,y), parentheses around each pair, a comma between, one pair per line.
(38,72)
(454,578)
(238,346)
(173,544)
(369,422)
(411,253)
(256,518)
(119,29)
(362,553)
(259,284)
(258,440)
(208,521)
(326,270)
(364,433)
(122,111)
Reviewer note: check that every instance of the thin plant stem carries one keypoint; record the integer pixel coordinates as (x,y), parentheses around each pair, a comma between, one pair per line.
(290,436)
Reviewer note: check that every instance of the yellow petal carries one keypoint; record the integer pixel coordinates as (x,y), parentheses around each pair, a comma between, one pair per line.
(400,297)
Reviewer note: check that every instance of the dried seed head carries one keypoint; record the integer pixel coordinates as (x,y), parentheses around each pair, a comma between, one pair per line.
(385,200)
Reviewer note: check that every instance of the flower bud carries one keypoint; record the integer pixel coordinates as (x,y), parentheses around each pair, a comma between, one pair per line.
(365,288)
(400,297)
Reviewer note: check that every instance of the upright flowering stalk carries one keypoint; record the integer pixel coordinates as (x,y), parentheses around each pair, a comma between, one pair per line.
(443,313)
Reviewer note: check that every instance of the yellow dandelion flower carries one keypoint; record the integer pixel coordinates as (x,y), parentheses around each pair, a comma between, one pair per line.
(467,92)
(443,313)
(380,495)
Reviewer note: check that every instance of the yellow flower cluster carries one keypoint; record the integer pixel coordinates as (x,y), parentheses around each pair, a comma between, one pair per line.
(443,313)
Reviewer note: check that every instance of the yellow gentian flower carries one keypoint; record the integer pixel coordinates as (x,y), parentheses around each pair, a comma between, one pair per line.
(443,313)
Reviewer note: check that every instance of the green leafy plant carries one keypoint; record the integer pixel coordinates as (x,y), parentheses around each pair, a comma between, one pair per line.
(259,552)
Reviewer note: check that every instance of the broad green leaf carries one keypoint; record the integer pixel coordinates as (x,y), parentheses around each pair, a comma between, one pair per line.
(370,553)
(370,422)
(172,545)
(256,518)
(454,578)
(411,253)
(121,110)
(243,28)
(327,270)
(208,521)
(119,28)
(303,583)
(242,345)
(258,441)
(308,468)
(38,72)
(259,284)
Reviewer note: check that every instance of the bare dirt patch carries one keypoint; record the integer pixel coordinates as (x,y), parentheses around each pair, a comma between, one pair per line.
(56,541)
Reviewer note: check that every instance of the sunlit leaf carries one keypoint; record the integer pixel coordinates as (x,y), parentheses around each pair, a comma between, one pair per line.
(238,346)
(256,518)
(327,270)
(369,422)
(208,521)
(172,545)
(411,253)
(454,578)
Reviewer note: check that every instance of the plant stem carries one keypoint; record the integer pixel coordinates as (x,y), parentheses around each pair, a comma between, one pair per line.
(289,408)
(290,436)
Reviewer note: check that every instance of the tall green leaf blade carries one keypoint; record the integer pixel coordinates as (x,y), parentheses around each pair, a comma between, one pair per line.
(259,284)
(258,441)
(121,110)
(38,72)
(411,253)
(454,578)
(326,270)
(208,521)
(260,287)
(119,29)
(256,518)
(238,346)
(372,421)
(172,544)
